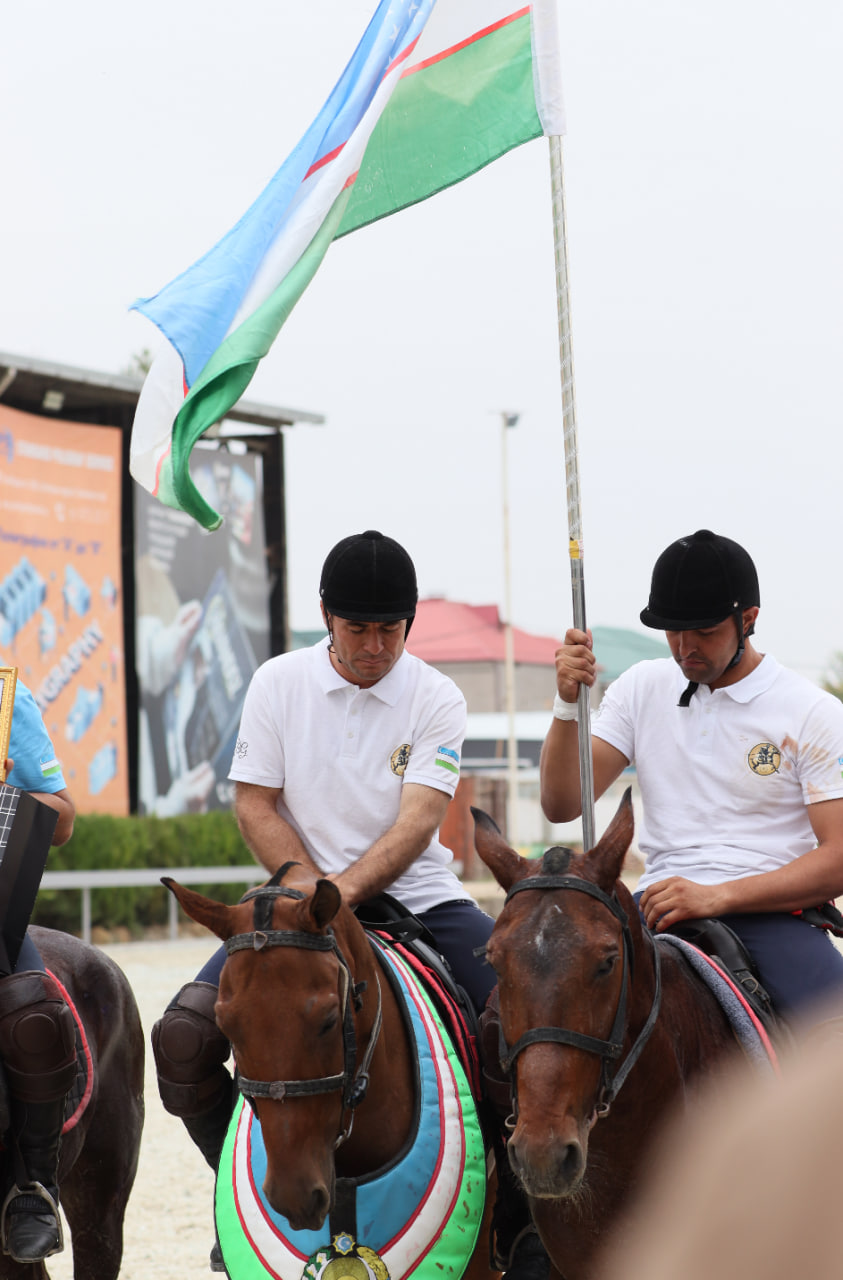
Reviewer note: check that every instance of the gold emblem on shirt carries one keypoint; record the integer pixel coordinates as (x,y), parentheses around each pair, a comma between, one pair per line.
(399,759)
(764,759)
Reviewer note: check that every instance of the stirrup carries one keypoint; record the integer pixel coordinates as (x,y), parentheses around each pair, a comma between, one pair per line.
(37,1191)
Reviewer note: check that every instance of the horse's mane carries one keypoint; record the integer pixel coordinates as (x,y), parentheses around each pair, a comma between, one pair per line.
(557,860)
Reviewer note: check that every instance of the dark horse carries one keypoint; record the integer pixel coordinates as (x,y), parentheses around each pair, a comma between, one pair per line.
(319,1039)
(603,1034)
(99,1154)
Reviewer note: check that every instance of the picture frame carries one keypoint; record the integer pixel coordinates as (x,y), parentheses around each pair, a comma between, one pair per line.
(8,681)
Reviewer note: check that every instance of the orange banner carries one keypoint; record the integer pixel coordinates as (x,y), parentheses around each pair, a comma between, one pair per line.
(61,609)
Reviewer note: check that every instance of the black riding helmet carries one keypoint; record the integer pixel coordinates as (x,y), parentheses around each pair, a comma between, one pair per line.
(369,577)
(699,581)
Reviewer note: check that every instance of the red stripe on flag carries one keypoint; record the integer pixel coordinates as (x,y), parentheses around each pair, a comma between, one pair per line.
(478,35)
(420,66)
(403,56)
(332,155)
(323,160)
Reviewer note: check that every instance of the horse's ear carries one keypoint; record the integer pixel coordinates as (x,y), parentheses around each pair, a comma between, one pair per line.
(215,916)
(608,854)
(504,863)
(325,903)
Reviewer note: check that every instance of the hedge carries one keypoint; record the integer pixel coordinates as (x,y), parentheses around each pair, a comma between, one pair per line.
(101,842)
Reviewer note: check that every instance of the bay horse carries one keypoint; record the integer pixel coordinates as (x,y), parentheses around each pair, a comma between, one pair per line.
(99,1153)
(603,1034)
(321,1047)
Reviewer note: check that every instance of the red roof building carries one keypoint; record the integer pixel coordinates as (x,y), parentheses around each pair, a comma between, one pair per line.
(468,643)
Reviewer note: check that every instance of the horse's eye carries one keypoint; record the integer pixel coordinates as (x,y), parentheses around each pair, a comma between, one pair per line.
(329,1025)
(606,966)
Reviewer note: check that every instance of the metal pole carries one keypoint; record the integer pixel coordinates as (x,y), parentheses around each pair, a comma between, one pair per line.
(572,475)
(509,420)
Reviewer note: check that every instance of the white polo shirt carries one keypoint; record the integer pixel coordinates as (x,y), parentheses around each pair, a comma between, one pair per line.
(341,755)
(726,780)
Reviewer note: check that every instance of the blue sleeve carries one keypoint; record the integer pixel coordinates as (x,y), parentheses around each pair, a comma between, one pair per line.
(36,767)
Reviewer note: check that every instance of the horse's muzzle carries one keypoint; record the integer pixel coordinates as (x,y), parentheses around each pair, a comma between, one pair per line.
(550,1170)
(310,1211)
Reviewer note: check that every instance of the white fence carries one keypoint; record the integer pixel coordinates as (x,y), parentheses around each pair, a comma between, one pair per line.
(88,880)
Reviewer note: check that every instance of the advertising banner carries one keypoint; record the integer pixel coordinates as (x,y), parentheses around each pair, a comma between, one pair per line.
(61,614)
(202,609)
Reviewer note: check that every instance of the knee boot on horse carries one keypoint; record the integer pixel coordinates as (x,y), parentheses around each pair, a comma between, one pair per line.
(38,1050)
(190,1055)
(515,1247)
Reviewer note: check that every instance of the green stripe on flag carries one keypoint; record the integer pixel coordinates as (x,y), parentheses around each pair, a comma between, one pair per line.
(446,121)
(446,764)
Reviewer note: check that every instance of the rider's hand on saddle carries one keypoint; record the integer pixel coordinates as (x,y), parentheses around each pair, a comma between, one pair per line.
(575,664)
(674,899)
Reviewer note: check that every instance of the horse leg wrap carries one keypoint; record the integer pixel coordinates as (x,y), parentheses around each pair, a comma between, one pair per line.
(37,1038)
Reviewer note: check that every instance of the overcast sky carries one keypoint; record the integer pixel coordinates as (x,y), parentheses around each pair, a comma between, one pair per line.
(705,218)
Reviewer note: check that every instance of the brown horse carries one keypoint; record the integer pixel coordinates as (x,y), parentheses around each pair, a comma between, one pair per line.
(320,1041)
(99,1154)
(602,1036)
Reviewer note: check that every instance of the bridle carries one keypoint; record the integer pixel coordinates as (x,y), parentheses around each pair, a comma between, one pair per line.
(353,1080)
(609,1051)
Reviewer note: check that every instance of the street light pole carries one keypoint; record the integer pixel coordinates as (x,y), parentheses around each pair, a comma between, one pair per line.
(509,420)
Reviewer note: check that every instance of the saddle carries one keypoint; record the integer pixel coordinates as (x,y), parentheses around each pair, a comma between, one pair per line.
(723,945)
(391,920)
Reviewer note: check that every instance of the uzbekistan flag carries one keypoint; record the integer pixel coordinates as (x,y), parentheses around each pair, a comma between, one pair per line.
(435,90)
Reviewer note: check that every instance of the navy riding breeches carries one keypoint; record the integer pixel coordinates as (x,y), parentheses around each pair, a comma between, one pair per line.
(460,929)
(798,963)
(29,957)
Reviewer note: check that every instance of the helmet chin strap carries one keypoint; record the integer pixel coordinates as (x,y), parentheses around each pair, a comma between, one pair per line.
(693,685)
(329,623)
(743,636)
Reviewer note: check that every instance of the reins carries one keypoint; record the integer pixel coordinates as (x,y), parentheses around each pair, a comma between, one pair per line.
(609,1051)
(353,1080)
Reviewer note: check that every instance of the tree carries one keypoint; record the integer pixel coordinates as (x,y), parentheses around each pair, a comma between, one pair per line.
(834,681)
(140,363)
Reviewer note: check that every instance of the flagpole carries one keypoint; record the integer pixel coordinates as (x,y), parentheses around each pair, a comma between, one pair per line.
(572,474)
(509,420)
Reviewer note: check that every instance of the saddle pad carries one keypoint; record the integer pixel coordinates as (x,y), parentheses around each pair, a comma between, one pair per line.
(420,1215)
(747,1029)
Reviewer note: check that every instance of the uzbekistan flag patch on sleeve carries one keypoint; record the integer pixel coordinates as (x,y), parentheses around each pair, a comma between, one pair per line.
(448,759)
